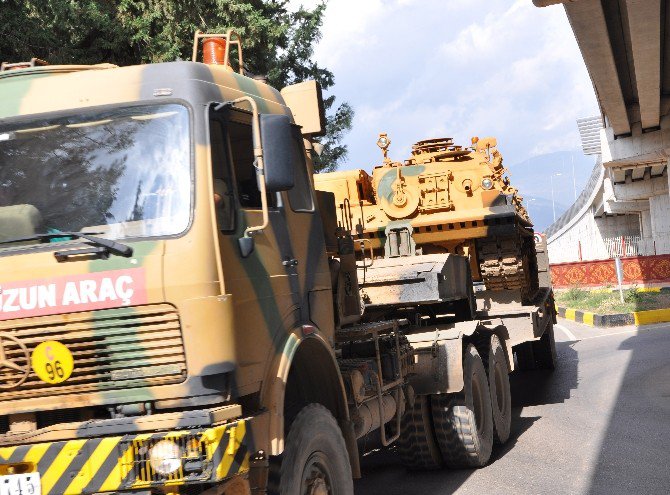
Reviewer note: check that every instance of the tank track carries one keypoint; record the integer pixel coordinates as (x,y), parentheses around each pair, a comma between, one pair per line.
(508,263)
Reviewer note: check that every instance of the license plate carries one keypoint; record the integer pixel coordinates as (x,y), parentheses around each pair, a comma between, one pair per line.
(20,484)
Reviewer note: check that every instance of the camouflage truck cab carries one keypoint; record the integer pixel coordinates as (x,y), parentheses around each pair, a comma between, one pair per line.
(443,199)
(139,350)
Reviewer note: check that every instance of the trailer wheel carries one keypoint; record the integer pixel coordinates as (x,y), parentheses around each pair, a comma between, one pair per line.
(416,446)
(315,458)
(463,421)
(544,349)
(501,396)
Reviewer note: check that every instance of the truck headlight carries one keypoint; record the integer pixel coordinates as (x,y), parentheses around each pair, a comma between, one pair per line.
(487,183)
(165,457)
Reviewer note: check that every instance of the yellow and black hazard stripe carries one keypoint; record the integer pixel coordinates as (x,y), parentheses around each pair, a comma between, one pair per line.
(95,465)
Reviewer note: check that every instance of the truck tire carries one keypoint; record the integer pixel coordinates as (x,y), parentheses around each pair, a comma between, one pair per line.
(416,446)
(315,458)
(501,396)
(463,421)
(525,359)
(544,349)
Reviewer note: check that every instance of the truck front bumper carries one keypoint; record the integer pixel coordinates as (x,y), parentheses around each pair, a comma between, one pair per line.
(203,456)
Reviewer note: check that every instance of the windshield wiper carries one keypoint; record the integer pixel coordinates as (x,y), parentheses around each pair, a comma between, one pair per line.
(111,246)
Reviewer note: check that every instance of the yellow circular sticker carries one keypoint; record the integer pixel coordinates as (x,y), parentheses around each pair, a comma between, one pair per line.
(52,362)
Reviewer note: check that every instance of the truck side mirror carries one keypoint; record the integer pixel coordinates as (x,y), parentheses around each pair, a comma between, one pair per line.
(279,150)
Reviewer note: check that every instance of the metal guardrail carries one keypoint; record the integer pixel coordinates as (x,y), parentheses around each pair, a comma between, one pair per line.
(594,181)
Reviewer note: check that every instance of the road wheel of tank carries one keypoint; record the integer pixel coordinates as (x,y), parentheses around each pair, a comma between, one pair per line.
(501,396)
(315,459)
(416,446)
(544,350)
(501,263)
(525,359)
(463,421)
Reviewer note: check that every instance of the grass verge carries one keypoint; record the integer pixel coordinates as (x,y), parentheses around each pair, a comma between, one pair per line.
(605,302)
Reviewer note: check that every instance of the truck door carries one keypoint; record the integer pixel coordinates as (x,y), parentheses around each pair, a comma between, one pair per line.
(306,243)
(266,285)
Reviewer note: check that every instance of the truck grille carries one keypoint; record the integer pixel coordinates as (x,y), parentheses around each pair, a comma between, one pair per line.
(114,348)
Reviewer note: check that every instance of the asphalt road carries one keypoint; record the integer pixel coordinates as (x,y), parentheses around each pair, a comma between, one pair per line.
(600,424)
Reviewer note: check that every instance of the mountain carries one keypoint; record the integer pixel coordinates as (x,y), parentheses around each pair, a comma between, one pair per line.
(541,211)
(533,179)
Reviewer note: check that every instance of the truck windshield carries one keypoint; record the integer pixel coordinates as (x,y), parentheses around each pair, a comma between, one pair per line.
(122,173)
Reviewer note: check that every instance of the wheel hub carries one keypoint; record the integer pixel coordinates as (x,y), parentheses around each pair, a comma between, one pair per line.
(318,487)
(316,477)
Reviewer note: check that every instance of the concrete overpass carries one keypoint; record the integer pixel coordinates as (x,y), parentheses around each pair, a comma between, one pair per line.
(626,48)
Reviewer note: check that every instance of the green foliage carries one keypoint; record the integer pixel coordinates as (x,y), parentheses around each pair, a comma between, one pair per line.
(574,294)
(336,126)
(632,296)
(277,42)
(609,301)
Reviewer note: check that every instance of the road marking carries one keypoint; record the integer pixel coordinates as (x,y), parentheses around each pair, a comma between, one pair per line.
(638,330)
(567,332)
(610,334)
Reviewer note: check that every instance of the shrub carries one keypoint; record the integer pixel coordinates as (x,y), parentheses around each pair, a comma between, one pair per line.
(632,296)
(575,294)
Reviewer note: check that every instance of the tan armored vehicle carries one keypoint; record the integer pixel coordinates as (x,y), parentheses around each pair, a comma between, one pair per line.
(443,199)
(180,313)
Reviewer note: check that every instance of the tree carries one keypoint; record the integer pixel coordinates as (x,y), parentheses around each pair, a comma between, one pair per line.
(278,42)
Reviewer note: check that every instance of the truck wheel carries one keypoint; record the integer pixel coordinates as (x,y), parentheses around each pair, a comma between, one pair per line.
(463,421)
(544,349)
(416,446)
(315,458)
(525,359)
(501,396)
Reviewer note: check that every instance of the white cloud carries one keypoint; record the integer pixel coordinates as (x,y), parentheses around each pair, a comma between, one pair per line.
(347,28)
(431,68)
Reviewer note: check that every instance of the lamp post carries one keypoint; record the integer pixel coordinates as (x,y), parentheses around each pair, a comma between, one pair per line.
(574,181)
(553,202)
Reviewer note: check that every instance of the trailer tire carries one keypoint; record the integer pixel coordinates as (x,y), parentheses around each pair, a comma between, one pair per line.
(463,421)
(525,359)
(315,454)
(416,446)
(501,396)
(544,349)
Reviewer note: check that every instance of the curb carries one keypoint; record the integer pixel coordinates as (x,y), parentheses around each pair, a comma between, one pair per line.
(616,320)
(661,290)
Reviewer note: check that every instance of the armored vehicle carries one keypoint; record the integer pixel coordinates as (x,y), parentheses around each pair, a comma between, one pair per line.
(443,199)
(181,314)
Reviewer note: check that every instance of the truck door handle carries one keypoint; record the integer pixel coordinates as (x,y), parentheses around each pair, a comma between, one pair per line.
(290,262)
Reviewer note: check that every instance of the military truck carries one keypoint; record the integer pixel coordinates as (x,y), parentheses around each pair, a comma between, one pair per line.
(444,198)
(180,313)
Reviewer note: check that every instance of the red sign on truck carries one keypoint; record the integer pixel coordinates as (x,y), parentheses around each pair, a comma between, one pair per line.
(68,294)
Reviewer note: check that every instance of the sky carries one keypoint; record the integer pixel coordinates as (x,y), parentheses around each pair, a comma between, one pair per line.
(418,69)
